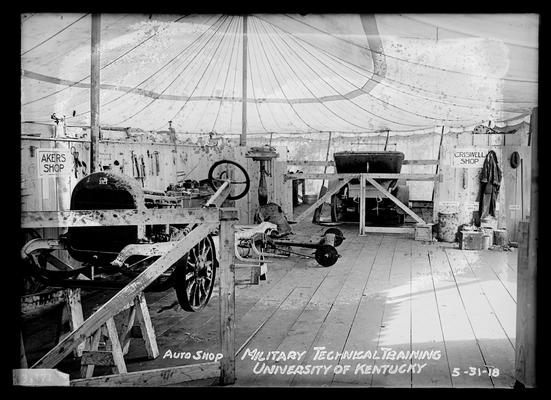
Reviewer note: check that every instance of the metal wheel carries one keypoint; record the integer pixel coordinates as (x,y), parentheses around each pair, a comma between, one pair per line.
(195,276)
(339,236)
(326,255)
(219,172)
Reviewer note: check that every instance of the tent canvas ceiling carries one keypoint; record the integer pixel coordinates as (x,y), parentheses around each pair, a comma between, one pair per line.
(305,73)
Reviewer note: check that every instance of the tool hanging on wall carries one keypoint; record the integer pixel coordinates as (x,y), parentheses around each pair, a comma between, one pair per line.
(156,163)
(151,163)
(77,163)
(136,166)
(143,167)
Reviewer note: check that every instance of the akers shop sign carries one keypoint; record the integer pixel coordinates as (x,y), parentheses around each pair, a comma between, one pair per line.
(54,162)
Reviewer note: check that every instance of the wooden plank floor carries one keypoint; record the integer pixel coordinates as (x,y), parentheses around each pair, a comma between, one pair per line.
(412,314)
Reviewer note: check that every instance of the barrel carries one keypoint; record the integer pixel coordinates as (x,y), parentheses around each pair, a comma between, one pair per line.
(310,198)
(448,224)
(501,238)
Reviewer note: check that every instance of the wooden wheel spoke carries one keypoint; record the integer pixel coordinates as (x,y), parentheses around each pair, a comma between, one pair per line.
(202,287)
(197,295)
(190,289)
(204,249)
(192,264)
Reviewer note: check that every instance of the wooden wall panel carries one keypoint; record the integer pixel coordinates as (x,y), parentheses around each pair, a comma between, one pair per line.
(182,161)
(191,161)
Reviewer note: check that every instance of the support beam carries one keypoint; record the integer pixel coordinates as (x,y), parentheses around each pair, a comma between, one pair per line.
(389,229)
(148,331)
(391,197)
(227,296)
(287,177)
(124,297)
(80,218)
(220,196)
(154,377)
(94,92)
(243,137)
(326,196)
(408,177)
(362,206)
(437,182)
(526,351)
(332,163)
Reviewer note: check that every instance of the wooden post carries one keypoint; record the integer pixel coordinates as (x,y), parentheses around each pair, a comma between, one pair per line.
(76,317)
(126,329)
(116,349)
(94,93)
(148,332)
(436,187)
(228,218)
(243,137)
(526,326)
(362,204)
(323,188)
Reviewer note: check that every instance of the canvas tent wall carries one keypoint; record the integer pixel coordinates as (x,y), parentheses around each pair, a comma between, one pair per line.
(306,74)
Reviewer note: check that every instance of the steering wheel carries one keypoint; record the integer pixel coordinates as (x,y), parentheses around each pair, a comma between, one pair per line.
(216,179)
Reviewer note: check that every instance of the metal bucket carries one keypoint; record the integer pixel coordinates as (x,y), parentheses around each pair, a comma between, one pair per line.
(488,232)
(485,242)
(448,224)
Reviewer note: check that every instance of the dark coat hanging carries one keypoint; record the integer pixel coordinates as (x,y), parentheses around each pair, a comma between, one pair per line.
(490,181)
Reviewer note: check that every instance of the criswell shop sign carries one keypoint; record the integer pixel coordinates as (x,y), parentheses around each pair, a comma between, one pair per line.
(54,162)
(468,157)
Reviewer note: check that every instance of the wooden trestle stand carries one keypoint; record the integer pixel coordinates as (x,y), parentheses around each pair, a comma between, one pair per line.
(89,332)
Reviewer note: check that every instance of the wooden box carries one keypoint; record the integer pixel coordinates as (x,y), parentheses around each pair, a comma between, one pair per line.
(471,240)
(423,232)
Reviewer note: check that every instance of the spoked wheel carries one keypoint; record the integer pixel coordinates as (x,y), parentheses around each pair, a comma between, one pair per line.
(30,285)
(219,172)
(195,276)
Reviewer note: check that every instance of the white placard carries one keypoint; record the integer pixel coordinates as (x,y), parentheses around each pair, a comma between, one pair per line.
(468,157)
(515,207)
(54,162)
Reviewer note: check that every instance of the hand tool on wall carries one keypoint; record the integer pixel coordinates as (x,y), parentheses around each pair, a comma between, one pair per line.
(157,163)
(132,162)
(151,163)
(135,165)
(143,166)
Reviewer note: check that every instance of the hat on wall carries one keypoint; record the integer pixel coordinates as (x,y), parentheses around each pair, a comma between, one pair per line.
(515,159)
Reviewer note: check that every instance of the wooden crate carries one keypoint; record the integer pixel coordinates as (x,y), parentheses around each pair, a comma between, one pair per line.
(471,240)
(423,232)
